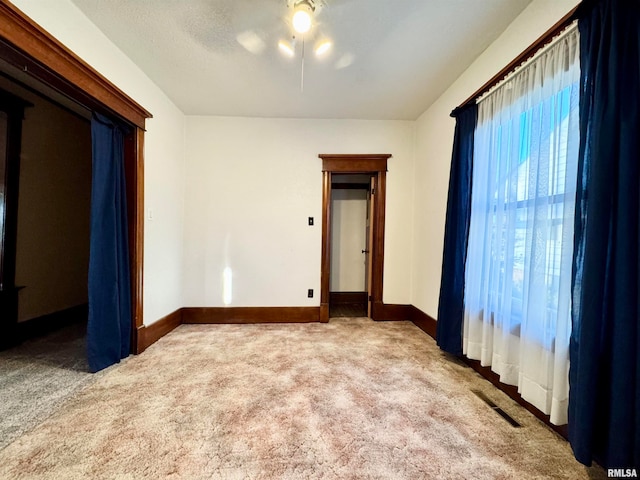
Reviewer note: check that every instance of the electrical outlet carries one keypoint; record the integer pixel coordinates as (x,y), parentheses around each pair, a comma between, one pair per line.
(310,293)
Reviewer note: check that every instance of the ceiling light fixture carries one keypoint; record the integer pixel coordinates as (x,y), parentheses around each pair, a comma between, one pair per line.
(323,47)
(286,48)
(303,23)
(302,17)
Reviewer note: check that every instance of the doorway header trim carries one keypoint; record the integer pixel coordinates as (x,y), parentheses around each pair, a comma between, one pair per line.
(354,163)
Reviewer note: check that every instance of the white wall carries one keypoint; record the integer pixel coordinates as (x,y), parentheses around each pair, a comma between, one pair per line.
(164,148)
(348,239)
(252,183)
(434,140)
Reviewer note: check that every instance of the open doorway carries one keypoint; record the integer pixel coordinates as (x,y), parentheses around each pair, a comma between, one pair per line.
(48,199)
(369,170)
(350,245)
(29,52)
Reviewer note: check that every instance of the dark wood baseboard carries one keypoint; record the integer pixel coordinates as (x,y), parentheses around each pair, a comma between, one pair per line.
(39,326)
(148,335)
(424,322)
(250,314)
(324,313)
(428,324)
(382,312)
(342,298)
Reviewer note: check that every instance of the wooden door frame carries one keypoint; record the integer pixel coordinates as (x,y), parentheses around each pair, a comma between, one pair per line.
(369,164)
(31,49)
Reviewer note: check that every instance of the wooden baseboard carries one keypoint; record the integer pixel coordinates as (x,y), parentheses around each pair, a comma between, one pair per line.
(424,322)
(324,313)
(428,324)
(342,298)
(148,335)
(382,312)
(250,314)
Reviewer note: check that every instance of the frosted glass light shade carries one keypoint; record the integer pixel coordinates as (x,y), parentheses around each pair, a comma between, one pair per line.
(323,47)
(302,18)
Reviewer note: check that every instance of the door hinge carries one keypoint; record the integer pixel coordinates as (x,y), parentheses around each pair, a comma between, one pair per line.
(373,191)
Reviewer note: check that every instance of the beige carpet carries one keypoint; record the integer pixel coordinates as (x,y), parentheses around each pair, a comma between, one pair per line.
(351,399)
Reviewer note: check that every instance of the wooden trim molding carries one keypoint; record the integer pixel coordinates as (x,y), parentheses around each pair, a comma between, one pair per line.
(345,298)
(424,322)
(250,314)
(148,335)
(391,312)
(134,171)
(325,265)
(350,186)
(351,163)
(20,31)
(377,249)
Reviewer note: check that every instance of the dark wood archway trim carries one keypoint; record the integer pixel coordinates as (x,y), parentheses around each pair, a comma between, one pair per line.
(375,164)
(54,64)
(27,46)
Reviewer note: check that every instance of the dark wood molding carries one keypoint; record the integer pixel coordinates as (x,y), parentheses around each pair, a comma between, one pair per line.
(323,313)
(61,67)
(391,312)
(134,171)
(354,163)
(372,164)
(529,52)
(424,322)
(428,324)
(325,266)
(250,314)
(350,186)
(347,297)
(27,46)
(377,249)
(148,335)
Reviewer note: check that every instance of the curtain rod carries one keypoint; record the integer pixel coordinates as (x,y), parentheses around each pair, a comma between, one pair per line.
(527,63)
(528,53)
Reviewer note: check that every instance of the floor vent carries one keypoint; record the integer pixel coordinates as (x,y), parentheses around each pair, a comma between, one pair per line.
(496,408)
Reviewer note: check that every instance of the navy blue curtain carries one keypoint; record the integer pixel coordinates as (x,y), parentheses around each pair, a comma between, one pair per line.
(604,398)
(456,233)
(109,328)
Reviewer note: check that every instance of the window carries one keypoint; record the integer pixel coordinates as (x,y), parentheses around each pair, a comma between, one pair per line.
(518,271)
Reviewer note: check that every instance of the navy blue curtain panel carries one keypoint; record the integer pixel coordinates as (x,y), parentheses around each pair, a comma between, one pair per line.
(109,327)
(456,233)
(604,375)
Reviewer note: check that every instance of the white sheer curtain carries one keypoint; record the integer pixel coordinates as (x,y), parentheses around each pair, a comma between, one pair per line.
(518,272)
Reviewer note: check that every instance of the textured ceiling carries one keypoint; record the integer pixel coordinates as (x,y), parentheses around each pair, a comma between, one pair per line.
(390,60)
